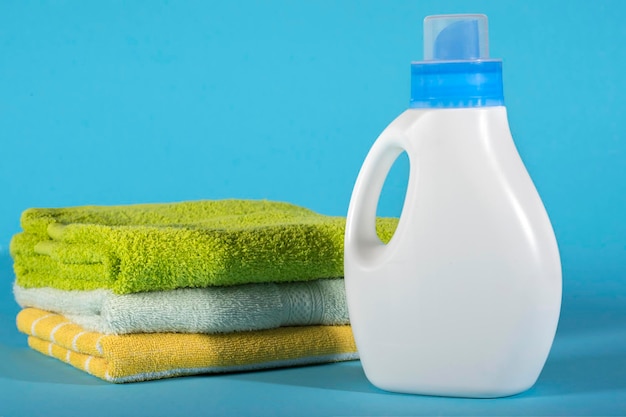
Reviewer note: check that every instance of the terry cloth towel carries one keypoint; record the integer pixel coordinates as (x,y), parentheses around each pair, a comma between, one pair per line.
(145,356)
(196,310)
(152,247)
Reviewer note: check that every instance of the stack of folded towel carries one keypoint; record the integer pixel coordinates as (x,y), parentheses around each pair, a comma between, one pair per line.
(140,292)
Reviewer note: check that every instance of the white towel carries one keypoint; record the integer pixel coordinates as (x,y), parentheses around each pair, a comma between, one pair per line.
(196,310)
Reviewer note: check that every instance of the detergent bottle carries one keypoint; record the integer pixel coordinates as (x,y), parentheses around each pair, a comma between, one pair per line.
(464,300)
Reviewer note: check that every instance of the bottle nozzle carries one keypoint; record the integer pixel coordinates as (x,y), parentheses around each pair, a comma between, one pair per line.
(457,37)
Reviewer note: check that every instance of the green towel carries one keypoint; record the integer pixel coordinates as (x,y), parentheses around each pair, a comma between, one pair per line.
(156,247)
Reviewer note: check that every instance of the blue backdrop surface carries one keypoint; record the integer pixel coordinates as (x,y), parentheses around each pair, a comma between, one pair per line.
(123,102)
(145,101)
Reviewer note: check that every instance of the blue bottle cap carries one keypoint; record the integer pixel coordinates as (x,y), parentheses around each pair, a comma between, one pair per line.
(456,71)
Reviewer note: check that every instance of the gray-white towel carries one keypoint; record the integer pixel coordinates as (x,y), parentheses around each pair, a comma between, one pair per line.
(196,310)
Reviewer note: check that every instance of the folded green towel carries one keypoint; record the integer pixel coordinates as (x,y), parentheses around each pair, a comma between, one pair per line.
(152,247)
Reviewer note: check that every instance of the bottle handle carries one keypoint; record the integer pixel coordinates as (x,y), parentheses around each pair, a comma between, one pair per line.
(361,237)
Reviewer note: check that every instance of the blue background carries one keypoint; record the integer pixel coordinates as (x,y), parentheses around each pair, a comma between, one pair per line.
(122,102)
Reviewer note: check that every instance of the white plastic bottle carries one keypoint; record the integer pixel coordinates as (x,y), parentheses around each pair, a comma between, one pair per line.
(465,298)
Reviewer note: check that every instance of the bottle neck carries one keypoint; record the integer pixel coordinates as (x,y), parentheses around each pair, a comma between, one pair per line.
(456,84)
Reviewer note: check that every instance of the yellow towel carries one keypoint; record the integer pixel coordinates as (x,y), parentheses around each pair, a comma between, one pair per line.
(140,357)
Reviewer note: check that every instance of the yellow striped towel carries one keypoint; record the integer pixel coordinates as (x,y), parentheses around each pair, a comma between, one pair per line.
(146,356)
